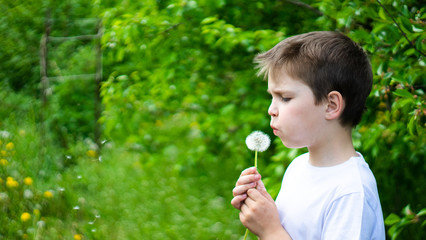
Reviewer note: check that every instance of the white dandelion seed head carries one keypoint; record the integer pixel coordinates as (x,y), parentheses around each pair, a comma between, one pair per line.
(41,224)
(28,194)
(258,141)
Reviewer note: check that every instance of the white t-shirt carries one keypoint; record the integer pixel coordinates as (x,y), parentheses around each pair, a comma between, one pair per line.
(338,202)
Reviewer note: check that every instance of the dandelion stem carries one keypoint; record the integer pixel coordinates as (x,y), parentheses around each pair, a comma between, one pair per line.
(246,234)
(255,165)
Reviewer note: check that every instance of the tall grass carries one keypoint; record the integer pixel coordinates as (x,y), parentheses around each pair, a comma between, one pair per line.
(47,192)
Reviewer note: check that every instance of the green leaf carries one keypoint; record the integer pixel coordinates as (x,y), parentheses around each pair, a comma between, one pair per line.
(407,210)
(382,14)
(208,20)
(417,30)
(403,93)
(422,212)
(392,219)
(411,126)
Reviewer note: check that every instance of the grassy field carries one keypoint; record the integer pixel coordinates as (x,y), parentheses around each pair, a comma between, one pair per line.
(122,194)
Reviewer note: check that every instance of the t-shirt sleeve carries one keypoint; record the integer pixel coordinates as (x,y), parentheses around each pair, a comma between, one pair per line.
(349,217)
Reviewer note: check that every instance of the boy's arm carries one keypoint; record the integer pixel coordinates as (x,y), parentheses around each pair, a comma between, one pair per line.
(352,217)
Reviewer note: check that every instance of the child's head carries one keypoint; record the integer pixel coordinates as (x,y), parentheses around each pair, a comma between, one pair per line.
(325,61)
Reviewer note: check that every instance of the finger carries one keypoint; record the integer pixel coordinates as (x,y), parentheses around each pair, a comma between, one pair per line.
(249,202)
(244,208)
(254,194)
(246,179)
(261,188)
(240,189)
(242,217)
(250,170)
(237,201)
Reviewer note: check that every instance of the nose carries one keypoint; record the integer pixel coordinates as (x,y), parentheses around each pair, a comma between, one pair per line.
(272,110)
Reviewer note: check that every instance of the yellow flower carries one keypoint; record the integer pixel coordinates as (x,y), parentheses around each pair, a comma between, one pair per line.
(3,153)
(22,132)
(25,217)
(91,153)
(28,181)
(158,123)
(3,162)
(78,237)
(48,194)
(11,183)
(10,146)
(36,212)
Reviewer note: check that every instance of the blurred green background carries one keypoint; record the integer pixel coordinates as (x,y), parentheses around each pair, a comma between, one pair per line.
(178,97)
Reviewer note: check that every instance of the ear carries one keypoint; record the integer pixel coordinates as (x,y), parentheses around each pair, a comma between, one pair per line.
(335,105)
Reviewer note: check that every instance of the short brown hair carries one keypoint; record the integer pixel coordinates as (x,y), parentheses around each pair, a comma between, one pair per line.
(325,61)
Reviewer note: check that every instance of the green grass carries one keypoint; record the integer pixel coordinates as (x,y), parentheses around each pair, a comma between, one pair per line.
(148,201)
(126,195)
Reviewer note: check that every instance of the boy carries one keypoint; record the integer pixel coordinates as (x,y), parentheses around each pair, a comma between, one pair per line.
(319,82)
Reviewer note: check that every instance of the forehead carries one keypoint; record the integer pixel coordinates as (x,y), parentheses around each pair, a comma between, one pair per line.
(281,81)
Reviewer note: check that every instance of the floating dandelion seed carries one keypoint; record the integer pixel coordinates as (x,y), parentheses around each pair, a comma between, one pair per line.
(257,141)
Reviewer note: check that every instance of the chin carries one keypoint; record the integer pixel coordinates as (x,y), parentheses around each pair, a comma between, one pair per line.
(289,144)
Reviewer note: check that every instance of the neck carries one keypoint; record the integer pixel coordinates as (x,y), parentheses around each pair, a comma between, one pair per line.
(334,149)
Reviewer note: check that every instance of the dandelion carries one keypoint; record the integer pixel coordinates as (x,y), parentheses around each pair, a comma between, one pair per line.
(28,181)
(36,212)
(3,162)
(10,146)
(48,194)
(41,224)
(91,153)
(3,153)
(257,141)
(3,196)
(78,237)
(28,194)
(11,183)
(4,134)
(25,217)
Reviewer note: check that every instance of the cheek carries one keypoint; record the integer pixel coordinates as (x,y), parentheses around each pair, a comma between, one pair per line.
(297,118)
(292,114)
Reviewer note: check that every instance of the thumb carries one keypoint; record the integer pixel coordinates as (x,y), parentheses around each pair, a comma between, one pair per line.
(261,188)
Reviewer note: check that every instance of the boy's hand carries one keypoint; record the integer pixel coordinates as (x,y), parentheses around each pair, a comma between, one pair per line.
(249,178)
(260,214)
(258,211)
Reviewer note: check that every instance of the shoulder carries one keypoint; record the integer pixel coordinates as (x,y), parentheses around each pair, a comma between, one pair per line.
(357,178)
(299,161)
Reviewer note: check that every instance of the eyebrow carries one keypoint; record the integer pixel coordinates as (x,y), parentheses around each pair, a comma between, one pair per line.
(280,91)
